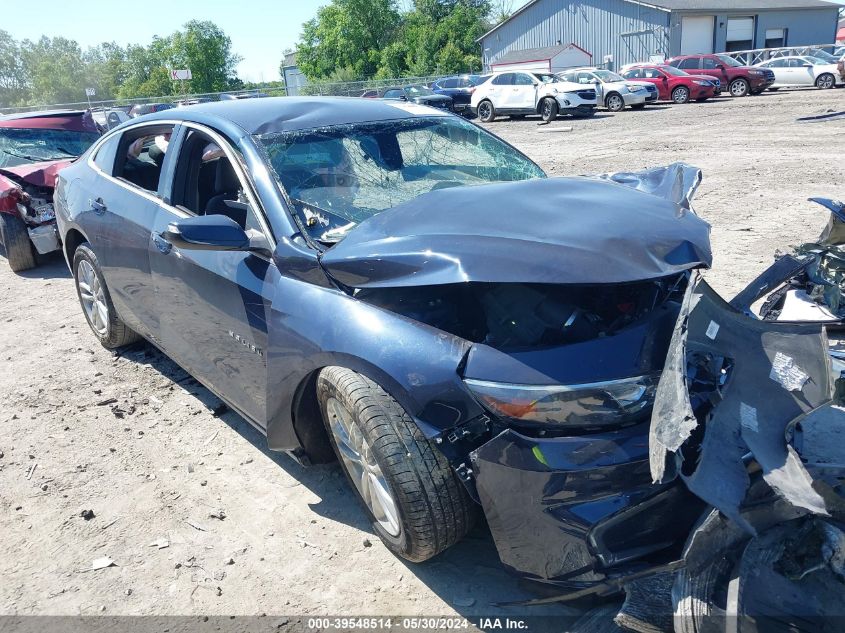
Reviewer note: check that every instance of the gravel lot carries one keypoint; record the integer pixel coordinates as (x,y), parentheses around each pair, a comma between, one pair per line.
(136,440)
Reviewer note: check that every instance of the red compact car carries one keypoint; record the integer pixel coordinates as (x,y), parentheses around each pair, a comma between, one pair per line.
(674,84)
(34,146)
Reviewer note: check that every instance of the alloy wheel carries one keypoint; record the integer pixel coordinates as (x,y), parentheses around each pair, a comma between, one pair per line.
(362,467)
(93,297)
(681,95)
(739,88)
(484,110)
(615,103)
(825,81)
(547,109)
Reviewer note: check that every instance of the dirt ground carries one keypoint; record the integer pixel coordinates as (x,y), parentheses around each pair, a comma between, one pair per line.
(136,440)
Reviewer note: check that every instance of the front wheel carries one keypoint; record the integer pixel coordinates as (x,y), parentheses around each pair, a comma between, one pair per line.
(416,502)
(16,242)
(548,109)
(825,81)
(739,88)
(614,102)
(486,111)
(96,301)
(680,94)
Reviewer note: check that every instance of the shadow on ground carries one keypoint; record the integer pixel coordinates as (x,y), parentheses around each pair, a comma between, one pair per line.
(468,576)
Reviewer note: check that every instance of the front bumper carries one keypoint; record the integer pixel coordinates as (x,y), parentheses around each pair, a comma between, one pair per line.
(572,511)
(635,98)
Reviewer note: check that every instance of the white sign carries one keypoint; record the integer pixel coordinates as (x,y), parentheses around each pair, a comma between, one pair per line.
(90,92)
(181,75)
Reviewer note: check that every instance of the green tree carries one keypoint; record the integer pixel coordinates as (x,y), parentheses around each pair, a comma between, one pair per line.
(206,50)
(347,34)
(55,70)
(13,81)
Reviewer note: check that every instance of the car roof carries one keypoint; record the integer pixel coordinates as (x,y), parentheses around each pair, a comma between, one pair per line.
(287,114)
(75,120)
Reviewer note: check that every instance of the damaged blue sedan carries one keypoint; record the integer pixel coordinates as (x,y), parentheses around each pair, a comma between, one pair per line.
(394,287)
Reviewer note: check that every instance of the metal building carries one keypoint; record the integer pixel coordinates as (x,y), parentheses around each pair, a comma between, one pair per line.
(619,32)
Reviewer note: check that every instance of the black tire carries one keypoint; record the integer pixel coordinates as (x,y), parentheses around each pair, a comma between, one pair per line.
(486,111)
(16,241)
(773,89)
(681,94)
(115,333)
(825,81)
(739,88)
(614,102)
(434,510)
(548,109)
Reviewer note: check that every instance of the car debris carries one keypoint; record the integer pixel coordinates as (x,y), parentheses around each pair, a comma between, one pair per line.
(737,399)
(808,284)
(102,563)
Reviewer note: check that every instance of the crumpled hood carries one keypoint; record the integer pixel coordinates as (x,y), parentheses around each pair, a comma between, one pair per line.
(556,230)
(41,174)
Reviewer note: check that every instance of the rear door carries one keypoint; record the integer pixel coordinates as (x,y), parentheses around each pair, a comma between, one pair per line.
(214,304)
(120,203)
(498,89)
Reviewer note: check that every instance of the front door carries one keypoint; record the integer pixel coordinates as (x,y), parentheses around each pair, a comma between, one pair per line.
(522,95)
(214,304)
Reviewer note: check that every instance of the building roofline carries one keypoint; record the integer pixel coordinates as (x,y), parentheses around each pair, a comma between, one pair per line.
(528,5)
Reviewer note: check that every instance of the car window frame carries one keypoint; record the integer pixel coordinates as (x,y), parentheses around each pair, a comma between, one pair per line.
(177,137)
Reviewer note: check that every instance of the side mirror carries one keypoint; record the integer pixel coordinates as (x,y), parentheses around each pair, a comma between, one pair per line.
(207,233)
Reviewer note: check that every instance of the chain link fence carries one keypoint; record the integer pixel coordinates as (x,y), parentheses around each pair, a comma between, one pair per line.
(317,88)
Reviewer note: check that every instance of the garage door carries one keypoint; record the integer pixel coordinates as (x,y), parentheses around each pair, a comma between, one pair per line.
(740,34)
(697,34)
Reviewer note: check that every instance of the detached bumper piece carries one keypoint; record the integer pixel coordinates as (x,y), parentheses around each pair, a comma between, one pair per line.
(573,511)
(732,388)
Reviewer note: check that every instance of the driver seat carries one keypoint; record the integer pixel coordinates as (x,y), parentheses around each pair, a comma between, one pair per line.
(227,187)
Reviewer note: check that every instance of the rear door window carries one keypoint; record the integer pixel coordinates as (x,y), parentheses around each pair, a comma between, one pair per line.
(104,158)
(141,154)
(507,79)
(692,63)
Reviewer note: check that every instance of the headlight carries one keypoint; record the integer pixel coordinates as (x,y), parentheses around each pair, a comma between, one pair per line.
(634,87)
(607,403)
(700,83)
(755,72)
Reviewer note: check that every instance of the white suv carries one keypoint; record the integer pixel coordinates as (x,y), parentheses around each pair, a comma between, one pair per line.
(520,93)
(614,91)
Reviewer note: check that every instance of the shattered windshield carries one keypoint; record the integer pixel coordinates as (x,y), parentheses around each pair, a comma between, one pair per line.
(339,176)
(32,145)
(22,146)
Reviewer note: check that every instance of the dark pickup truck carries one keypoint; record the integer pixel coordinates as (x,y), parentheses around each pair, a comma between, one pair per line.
(740,80)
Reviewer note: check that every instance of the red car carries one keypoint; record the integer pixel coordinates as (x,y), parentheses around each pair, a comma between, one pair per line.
(34,146)
(740,80)
(673,84)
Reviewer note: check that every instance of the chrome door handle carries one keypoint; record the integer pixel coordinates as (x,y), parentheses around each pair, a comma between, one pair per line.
(162,244)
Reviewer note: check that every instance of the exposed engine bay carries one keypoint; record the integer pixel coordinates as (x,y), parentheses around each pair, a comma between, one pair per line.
(515,316)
